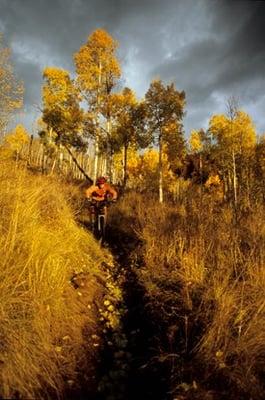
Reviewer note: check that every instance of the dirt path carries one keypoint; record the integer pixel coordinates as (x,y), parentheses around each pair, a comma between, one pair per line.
(130,363)
(142,380)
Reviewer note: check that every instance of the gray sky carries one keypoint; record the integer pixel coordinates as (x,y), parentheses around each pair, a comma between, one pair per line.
(211,49)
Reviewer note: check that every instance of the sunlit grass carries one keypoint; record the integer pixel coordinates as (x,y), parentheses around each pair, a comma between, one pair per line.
(205,265)
(41,248)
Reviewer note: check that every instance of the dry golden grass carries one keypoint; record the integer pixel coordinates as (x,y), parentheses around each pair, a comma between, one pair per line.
(41,321)
(206,267)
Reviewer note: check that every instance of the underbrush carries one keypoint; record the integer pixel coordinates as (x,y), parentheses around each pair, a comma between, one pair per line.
(45,323)
(202,266)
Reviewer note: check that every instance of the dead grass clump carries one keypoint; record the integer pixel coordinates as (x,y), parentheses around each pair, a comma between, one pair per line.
(40,317)
(204,264)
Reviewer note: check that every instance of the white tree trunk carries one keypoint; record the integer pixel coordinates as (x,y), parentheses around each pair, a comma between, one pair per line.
(234,178)
(95,174)
(96,159)
(160,170)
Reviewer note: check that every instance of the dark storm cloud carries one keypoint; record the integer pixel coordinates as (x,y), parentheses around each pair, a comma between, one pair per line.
(211,49)
(30,74)
(43,32)
(228,61)
(242,26)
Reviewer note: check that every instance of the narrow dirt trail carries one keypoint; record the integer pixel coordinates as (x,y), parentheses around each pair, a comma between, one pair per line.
(128,366)
(132,363)
(144,356)
(142,379)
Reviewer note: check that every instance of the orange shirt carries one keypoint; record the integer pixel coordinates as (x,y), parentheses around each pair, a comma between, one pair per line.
(101,193)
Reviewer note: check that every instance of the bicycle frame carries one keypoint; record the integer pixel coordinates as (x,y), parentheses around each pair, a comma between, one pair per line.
(98,212)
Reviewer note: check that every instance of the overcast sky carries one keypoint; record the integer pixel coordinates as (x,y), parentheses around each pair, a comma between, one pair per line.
(211,49)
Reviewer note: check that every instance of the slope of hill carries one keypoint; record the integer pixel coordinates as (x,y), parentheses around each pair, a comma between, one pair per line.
(48,321)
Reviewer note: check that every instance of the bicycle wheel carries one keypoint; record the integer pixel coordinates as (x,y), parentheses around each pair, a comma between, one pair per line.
(101,226)
(93,222)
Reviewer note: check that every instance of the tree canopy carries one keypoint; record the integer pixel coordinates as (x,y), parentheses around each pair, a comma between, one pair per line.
(11,89)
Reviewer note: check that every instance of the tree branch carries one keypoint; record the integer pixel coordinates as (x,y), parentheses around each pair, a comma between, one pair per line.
(77,164)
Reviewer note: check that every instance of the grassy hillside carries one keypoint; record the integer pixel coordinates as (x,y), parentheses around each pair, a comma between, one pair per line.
(200,267)
(44,321)
(203,270)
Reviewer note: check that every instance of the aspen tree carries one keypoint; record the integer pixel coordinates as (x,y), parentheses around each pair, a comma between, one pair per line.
(235,138)
(11,90)
(98,71)
(165,110)
(62,112)
(129,127)
(16,140)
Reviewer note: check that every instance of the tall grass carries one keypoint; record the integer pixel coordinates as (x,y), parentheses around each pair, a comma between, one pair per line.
(203,267)
(41,322)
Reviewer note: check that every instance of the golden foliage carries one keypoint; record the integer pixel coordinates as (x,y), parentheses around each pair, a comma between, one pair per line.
(11,90)
(58,86)
(213,180)
(16,139)
(238,135)
(96,65)
(62,111)
(143,170)
(195,141)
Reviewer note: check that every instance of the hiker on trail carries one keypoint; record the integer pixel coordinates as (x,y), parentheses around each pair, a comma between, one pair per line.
(101,191)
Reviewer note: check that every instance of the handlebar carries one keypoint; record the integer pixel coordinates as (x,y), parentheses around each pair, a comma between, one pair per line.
(100,202)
